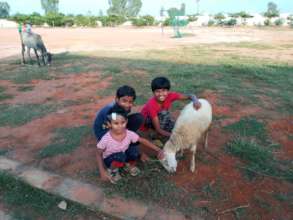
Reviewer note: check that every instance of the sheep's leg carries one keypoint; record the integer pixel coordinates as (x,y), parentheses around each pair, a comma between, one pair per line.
(22,53)
(206,140)
(192,162)
(37,57)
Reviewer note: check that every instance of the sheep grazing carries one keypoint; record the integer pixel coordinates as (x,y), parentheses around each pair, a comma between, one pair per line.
(190,126)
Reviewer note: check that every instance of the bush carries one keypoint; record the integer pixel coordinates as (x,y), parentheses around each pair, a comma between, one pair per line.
(85,21)
(68,21)
(279,22)
(267,22)
(211,22)
(55,19)
(36,19)
(192,18)
(20,18)
(231,22)
(111,20)
(150,20)
(167,22)
(143,21)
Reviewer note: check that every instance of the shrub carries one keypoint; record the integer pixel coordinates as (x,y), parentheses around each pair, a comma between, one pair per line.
(20,18)
(267,22)
(211,22)
(55,19)
(279,22)
(150,20)
(192,18)
(111,20)
(143,21)
(85,21)
(36,19)
(68,21)
(290,20)
(231,22)
(168,22)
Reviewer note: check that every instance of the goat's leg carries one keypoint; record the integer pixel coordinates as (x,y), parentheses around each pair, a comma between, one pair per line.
(29,55)
(37,57)
(192,162)
(43,57)
(22,54)
(206,140)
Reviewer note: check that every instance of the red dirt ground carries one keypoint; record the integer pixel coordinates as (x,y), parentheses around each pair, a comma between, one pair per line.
(214,169)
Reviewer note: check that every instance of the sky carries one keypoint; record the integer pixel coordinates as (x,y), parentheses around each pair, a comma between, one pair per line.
(152,7)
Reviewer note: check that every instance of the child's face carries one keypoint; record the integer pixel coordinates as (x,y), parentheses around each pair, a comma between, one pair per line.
(119,124)
(161,94)
(125,102)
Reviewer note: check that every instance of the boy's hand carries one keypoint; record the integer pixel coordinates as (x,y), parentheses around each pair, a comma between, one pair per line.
(197,105)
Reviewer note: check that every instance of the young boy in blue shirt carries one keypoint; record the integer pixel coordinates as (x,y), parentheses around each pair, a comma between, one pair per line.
(125,97)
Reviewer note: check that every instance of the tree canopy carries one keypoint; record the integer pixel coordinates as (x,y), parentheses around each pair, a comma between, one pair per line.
(272,10)
(50,6)
(4,9)
(124,8)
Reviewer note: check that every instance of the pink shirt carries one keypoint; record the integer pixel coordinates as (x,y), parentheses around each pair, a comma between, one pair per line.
(110,146)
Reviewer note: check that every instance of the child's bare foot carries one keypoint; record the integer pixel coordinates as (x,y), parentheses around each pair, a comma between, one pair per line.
(144,157)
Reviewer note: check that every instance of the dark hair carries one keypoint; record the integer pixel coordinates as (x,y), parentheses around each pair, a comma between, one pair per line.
(118,110)
(160,83)
(125,91)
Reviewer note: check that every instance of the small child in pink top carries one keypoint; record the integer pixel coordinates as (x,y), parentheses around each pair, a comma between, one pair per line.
(115,150)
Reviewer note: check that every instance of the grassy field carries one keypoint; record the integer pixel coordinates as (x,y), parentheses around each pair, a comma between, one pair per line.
(237,81)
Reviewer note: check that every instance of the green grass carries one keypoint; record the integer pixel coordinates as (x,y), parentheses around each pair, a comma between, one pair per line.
(66,140)
(25,74)
(25,88)
(3,95)
(258,159)
(213,191)
(16,115)
(3,152)
(249,127)
(251,45)
(152,185)
(284,197)
(27,202)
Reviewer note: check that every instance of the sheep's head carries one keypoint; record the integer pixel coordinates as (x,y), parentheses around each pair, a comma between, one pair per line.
(169,162)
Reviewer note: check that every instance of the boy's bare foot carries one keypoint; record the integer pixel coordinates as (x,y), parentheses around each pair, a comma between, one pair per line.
(144,157)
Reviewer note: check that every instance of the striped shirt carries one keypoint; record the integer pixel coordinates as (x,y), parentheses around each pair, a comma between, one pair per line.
(110,146)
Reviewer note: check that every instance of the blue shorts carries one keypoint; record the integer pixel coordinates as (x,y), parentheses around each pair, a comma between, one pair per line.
(131,154)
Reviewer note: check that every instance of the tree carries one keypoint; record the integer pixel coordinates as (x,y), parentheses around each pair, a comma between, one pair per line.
(4,9)
(220,18)
(125,8)
(50,6)
(272,10)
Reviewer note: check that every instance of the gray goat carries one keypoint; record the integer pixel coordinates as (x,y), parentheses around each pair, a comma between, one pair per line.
(34,41)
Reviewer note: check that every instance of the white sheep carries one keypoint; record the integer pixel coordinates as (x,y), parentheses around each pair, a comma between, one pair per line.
(190,126)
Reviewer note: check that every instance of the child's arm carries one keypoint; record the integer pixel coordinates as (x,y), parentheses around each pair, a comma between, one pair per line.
(193,98)
(103,173)
(156,124)
(151,146)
